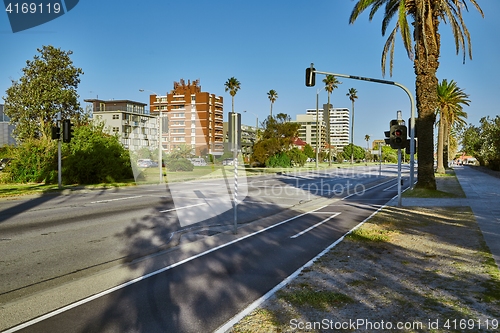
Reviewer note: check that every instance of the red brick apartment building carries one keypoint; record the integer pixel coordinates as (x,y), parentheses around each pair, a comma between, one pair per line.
(195,118)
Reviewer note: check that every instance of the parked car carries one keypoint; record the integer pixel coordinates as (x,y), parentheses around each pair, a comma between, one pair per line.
(4,162)
(198,161)
(146,163)
(228,161)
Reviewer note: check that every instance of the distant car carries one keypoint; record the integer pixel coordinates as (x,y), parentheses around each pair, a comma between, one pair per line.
(228,161)
(198,161)
(4,162)
(146,163)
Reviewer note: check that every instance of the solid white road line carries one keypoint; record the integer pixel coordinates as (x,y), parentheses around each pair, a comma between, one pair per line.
(224,328)
(117,199)
(184,207)
(144,277)
(314,226)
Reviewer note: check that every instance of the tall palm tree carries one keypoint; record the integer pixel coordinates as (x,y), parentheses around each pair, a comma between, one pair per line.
(232,85)
(367,138)
(352,96)
(451,100)
(273,96)
(331,83)
(426,16)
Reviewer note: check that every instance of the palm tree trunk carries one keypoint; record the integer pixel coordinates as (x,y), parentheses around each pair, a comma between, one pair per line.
(446,144)
(440,165)
(425,66)
(328,134)
(352,134)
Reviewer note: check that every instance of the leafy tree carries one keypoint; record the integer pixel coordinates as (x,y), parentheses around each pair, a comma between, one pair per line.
(484,142)
(309,151)
(47,87)
(277,137)
(389,155)
(426,16)
(232,85)
(273,96)
(450,98)
(297,157)
(352,94)
(357,152)
(331,83)
(33,161)
(279,160)
(94,156)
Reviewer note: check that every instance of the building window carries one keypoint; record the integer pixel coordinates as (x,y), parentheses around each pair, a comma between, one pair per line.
(116,129)
(116,116)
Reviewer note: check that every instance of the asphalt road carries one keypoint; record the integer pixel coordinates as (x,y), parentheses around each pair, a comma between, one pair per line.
(49,239)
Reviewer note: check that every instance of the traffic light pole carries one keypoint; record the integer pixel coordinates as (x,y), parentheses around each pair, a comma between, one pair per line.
(412,102)
(59,177)
(399,177)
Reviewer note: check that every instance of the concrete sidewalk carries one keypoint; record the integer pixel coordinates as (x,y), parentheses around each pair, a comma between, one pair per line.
(482,195)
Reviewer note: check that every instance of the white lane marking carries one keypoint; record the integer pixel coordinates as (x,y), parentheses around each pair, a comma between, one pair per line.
(184,207)
(387,188)
(314,226)
(367,189)
(231,322)
(117,199)
(144,277)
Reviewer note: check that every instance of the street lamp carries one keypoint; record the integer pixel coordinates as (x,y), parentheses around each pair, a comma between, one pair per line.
(317,126)
(257,125)
(160,147)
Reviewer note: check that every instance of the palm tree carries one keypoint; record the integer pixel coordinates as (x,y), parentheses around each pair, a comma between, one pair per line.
(232,85)
(272,95)
(367,138)
(451,98)
(331,83)
(426,16)
(352,96)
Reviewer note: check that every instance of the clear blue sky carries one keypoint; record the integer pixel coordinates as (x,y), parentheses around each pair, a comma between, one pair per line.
(123,46)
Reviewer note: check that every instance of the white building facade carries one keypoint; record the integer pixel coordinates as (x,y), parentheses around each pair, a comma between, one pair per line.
(135,128)
(339,125)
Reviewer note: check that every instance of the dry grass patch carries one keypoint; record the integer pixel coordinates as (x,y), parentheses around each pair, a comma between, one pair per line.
(408,264)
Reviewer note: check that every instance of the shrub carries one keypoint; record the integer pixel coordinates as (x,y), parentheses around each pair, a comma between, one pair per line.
(180,164)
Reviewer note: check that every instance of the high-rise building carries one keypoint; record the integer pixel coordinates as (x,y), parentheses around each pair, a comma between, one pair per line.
(195,118)
(308,131)
(339,125)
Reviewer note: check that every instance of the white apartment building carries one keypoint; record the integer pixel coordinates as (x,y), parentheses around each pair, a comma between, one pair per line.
(339,125)
(129,120)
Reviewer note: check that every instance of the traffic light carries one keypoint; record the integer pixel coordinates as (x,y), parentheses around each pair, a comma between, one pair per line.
(387,137)
(407,146)
(310,76)
(398,136)
(67,130)
(56,133)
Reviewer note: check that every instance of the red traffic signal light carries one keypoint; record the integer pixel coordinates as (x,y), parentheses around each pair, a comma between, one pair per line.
(398,136)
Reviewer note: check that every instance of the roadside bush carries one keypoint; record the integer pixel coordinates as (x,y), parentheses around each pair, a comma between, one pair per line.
(297,157)
(280,160)
(180,164)
(94,157)
(33,161)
